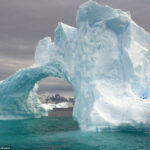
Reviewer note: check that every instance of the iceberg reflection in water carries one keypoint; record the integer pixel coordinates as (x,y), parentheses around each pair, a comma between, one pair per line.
(62,133)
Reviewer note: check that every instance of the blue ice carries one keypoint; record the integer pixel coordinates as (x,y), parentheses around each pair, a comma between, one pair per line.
(106,59)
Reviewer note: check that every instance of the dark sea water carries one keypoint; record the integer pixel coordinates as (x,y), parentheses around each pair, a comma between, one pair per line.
(62,133)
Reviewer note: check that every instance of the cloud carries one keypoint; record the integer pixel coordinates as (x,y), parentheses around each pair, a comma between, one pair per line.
(55,85)
(8,68)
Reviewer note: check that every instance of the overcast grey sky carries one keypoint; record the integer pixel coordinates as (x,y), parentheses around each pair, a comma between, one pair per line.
(24,22)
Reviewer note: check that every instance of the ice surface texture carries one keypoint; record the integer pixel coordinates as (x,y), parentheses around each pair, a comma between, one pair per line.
(106,59)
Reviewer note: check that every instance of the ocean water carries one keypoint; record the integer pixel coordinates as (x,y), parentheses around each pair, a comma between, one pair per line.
(62,133)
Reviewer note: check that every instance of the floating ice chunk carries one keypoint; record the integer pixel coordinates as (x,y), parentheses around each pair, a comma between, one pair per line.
(106,59)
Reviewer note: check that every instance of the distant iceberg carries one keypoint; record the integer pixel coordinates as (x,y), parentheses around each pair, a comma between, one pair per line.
(106,59)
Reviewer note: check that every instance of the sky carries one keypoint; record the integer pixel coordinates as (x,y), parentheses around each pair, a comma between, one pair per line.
(24,22)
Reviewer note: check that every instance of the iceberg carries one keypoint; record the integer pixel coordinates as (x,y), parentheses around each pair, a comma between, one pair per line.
(106,59)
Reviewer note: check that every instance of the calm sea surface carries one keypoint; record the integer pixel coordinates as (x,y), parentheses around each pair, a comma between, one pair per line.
(62,133)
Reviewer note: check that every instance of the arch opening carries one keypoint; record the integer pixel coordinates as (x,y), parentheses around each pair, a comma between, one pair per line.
(58,94)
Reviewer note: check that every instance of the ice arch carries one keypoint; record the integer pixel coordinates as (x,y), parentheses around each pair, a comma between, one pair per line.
(106,59)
